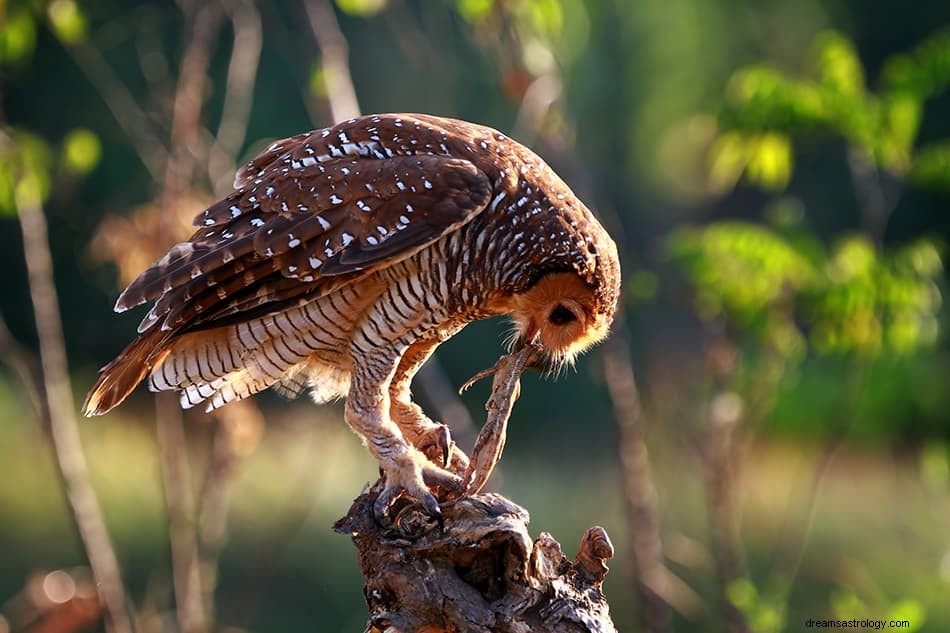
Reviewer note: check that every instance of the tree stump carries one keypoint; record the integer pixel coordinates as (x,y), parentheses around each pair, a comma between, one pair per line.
(480,571)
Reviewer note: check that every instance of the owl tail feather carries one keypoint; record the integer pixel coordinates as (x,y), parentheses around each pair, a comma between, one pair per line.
(122,375)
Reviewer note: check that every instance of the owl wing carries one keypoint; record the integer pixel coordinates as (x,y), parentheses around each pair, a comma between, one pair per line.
(300,225)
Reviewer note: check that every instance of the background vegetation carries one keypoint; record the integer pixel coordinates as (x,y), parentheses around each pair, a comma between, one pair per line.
(778,177)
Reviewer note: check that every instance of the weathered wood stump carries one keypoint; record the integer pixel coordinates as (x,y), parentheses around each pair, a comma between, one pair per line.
(480,571)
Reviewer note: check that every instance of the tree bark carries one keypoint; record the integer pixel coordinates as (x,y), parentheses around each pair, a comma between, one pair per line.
(480,571)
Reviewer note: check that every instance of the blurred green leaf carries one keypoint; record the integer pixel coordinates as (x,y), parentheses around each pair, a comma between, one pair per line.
(742,594)
(923,72)
(837,63)
(67,20)
(931,167)
(319,86)
(17,35)
(362,8)
(738,269)
(935,466)
(81,151)
(547,16)
(763,98)
(475,10)
(25,169)
(642,285)
(770,161)
(846,605)
(909,610)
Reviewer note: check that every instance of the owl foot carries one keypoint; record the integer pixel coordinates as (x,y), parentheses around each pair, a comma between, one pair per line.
(415,477)
(437,444)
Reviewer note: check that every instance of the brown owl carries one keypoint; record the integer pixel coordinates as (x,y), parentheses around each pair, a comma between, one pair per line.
(345,256)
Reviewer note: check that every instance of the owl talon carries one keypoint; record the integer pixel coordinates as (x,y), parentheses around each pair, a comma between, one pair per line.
(437,445)
(416,481)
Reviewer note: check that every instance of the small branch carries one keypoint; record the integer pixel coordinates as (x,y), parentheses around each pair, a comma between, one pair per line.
(238,96)
(236,433)
(184,141)
(877,193)
(483,572)
(173,451)
(123,106)
(721,457)
(62,418)
(646,545)
(25,366)
(341,94)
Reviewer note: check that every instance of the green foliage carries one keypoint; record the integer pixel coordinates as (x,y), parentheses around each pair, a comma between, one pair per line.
(741,271)
(17,34)
(931,167)
(833,98)
(871,302)
(764,613)
(924,72)
(67,21)
(81,151)
(847,605)
(362,8)
(851,299)
(28,165)
(475,10)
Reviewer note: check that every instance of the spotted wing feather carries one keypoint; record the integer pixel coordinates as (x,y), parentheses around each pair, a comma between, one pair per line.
(307,224)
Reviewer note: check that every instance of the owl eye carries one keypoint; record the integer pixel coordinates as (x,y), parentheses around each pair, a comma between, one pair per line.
(561,315)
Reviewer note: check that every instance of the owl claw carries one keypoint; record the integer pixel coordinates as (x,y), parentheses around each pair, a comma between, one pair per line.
(415,480)
(437,445)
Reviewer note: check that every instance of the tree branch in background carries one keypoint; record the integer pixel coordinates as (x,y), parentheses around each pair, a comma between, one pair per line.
(22,363)
(721,460)
(183,149)
(179,505)
(121,103)
(650,573)
(334,52)
(62,418)
(238,94)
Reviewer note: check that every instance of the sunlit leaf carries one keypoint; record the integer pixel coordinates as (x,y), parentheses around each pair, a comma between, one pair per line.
(17,35)
(770,161)
(475,10)
(642,285)
(742,594)
(728,157)
(837,63)
(923,72)
(935,466)
(81,151)
(362,8)
(319,84)
(67,20)
(900,120)
(846,605)
(547,16)
(909,610)
(762,98)
(738,269)
(931,166)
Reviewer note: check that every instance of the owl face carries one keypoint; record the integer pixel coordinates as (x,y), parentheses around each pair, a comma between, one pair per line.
(561,311)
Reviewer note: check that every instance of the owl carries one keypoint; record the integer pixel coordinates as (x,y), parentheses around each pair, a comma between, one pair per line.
(341,261)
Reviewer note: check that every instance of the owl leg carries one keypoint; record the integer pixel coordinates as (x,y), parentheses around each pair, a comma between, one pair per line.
(406,468)
(430,437)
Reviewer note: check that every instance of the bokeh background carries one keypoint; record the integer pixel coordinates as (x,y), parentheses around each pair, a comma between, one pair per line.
(765,435)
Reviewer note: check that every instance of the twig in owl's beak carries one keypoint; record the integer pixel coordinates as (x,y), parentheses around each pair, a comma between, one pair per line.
(536,359)
(506,387)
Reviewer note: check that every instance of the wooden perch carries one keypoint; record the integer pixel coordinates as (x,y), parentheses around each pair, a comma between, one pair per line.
(477,570)
(480,573)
